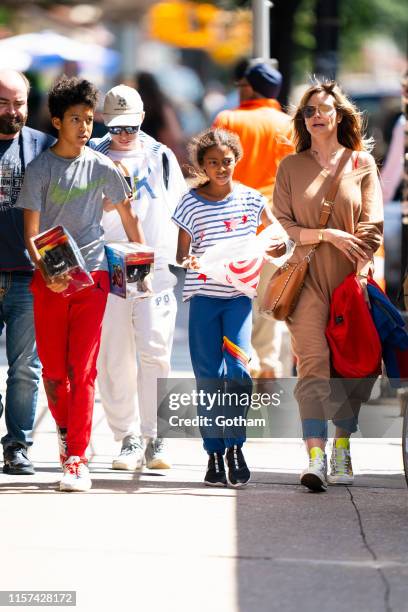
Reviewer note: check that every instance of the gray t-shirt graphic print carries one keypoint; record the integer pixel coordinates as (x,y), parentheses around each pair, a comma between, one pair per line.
(70,192)
(11,173)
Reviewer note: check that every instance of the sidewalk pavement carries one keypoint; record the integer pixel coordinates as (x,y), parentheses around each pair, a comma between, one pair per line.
(160,540)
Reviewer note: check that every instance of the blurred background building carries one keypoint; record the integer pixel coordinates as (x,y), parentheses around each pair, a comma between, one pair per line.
(191,48)
(185,51)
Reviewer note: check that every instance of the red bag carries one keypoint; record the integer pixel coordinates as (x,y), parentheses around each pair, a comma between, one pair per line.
(351,334)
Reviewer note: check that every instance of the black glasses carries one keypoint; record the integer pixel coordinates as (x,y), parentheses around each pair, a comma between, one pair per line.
(129,129)
(309,111)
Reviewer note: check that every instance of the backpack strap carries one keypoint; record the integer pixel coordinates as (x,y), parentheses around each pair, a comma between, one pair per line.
(166,170)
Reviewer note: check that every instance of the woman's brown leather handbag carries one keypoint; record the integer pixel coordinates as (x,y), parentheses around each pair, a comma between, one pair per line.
(282,293)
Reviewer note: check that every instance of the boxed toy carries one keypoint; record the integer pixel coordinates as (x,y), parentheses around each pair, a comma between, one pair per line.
(130,269)
(61,256)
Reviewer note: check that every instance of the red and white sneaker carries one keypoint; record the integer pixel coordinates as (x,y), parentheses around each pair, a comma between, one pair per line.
(62,445)
(76,475)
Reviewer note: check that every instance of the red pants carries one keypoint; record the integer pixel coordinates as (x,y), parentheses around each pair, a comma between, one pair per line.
(68,333)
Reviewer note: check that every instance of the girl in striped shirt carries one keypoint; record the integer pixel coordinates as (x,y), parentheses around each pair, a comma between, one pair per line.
(220,319)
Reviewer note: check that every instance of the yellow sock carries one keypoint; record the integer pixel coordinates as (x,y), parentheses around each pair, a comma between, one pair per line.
(343,443)
(316,452)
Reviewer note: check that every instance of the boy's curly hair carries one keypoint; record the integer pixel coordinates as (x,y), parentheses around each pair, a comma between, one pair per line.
(68,92)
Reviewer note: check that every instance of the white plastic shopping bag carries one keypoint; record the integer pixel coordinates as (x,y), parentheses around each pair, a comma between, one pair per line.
(237,262)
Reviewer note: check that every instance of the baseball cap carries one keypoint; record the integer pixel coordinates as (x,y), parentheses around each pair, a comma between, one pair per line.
(122,106)
(264,79)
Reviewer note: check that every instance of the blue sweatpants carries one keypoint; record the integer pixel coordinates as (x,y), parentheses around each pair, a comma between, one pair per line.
(220,342)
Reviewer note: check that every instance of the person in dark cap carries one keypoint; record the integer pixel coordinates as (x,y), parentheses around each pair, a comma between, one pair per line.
(265,133)
(265,80)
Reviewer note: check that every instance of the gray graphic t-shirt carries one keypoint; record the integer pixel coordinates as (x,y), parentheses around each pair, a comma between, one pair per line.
(11,173)
(69,192)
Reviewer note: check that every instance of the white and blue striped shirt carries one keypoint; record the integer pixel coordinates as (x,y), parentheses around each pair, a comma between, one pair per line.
(208,222)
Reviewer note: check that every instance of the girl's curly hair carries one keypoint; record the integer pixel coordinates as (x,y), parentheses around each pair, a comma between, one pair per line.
(213,137)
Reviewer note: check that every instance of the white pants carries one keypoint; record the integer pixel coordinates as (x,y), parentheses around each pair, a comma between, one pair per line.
(266,333)
(135,351)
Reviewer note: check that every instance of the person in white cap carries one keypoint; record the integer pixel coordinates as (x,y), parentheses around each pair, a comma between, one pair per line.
(128,368)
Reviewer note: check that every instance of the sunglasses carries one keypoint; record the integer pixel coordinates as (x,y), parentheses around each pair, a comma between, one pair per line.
(309,111)
(129,129)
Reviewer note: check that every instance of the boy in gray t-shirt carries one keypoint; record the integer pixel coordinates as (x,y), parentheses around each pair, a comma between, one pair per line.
(65,186)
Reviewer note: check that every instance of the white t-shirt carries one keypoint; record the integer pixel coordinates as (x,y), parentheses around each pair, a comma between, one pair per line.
(153,203)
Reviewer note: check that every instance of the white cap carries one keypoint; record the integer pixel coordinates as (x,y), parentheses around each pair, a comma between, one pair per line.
(122,106)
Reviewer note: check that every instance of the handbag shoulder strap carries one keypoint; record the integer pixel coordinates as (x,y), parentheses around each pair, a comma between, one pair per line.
(332,192)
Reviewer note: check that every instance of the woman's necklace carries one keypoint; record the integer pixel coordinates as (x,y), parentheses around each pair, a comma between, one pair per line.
(331,156)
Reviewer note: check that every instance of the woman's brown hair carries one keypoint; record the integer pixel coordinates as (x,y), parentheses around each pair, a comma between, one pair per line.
(350,130)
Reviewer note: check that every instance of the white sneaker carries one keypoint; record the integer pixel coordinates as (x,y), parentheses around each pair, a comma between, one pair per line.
(131,455)
(155,455)
(76,475)
(341,470)
(315,476)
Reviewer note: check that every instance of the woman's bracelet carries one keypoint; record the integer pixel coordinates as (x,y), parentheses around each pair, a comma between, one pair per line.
(321,235)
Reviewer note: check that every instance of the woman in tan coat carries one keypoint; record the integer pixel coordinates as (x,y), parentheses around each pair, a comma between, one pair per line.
(326,123)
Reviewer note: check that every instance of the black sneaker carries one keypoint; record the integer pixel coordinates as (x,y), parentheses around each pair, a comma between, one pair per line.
(16,460)
(238,472)
(215,475)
